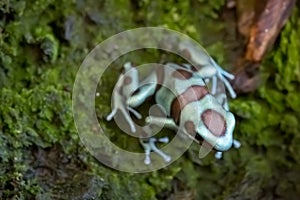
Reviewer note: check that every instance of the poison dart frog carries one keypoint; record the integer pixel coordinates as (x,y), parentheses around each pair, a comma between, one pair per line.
(182,92)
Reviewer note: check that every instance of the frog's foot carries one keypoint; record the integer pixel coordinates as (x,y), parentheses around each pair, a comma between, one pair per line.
(236,144)
(223,75)
(119,103)
(150,146)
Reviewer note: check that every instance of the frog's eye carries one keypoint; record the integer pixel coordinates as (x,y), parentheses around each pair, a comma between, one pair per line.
(190,127)
(214,122)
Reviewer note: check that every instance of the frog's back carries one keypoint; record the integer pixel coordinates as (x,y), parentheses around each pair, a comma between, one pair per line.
(178,86)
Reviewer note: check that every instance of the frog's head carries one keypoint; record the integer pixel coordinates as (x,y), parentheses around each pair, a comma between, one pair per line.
(208,119)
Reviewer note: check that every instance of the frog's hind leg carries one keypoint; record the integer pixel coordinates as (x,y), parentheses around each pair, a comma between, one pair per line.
(145,90)
(214,72)
(125,86)
(129,93)
(119,103)
(162,121)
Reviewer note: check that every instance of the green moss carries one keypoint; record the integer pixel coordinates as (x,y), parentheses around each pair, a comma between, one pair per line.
(271,116)
(42,44)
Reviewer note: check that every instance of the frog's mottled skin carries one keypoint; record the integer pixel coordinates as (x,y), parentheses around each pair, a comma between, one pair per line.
(182,92)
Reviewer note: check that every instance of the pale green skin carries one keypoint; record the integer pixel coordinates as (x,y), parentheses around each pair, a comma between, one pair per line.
(164,96)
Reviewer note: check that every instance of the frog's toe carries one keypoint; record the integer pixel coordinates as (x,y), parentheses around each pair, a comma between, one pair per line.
(129,120)
(236,144)
(135,113)
(218,155)
(112,114)
(126,116)
(151,146)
